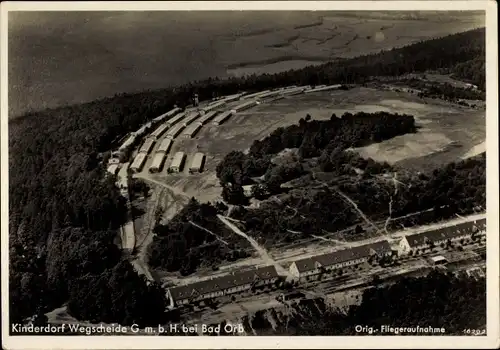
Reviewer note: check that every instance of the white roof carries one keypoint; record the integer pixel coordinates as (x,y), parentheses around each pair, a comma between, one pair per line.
(178,158)
(164,145)
(223,116)
(190,118)
(214,105)
(257,94)
(168,114)
(197,160)
(147,145)
(438,258)
(176,119)
(191,129)
(246,104)
(176,129)
(157,160)
(139,160)
(113,168)
(130,140)
(207,116)
(160,130)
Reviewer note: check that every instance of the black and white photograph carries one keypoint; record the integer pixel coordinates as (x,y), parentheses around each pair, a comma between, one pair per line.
(307,175)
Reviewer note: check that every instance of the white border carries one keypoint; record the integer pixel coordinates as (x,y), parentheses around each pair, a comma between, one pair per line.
(131,342)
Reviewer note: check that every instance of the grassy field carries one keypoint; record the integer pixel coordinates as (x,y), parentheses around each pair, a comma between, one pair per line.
(66,58)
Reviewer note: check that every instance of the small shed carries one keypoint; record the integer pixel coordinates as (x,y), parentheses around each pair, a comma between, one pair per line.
(438,260)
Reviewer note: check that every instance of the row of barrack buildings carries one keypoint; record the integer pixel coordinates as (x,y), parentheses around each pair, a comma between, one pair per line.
(311,268)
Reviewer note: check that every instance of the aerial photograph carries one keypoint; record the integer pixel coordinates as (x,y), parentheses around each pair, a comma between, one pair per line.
(247,173)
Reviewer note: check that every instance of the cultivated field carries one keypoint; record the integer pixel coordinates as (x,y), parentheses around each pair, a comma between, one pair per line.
(94,48)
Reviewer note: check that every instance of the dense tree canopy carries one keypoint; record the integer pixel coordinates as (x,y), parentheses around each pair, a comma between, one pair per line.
(321,206)
(193,238)
(437,300)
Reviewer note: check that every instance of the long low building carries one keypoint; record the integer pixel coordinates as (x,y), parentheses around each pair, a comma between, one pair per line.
(127,143)
(323,88)
(270,94)
(224,285)
(197,163)
(176,119)
(138,162)
(141,131)
(165,145)
(147,145)
(190,118)
(221,118)
(206,117)
(212,106)
(423,240)
(257,94)
(175,131)
(157,163)
(166,115)
(232,98)
(191,131)
(245,106)
(304,269)
(159,131)
(177,162)
(296,90)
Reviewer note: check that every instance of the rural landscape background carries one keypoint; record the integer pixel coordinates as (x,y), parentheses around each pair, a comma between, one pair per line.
(63,58)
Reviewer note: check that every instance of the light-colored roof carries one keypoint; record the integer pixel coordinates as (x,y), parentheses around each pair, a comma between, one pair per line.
(178,159)
(113,168)
(214,105)
(245,105)
(160,130)
(130,140)
(190,118)
(175,130)
(257,94)
(139,160)
(207,117)
(168,114)
(223,116)
(197,160)
(190,130)
(146,147)
(158,160)
(175,119)
(164,145)
(438,258)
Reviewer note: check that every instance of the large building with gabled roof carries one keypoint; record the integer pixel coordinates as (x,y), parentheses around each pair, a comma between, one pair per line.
(224,285)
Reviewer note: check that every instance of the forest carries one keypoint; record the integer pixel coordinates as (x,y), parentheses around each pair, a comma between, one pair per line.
(321,206)
(312,138)
(195,237)
(58,187)
(437,300)
(444,91)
